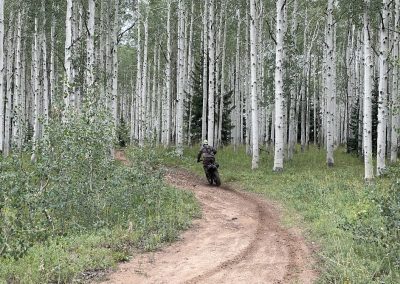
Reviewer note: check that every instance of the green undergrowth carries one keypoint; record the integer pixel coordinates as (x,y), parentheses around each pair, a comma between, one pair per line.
(355,226)
(74,212)
(133,211)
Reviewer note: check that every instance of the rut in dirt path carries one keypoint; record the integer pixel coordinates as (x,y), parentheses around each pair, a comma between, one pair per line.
(239,239)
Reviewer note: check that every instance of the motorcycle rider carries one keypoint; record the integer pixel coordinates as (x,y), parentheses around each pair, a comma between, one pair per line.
(208,152)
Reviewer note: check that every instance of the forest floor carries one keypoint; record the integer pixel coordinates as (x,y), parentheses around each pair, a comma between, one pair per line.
(239,239)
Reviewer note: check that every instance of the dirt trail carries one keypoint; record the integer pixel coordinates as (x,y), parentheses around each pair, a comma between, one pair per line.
(239,239)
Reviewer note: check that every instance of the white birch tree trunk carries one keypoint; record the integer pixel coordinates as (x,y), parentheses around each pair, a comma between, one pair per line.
(368,80)
(167,129)
(18,121)
(331,96)
(68,81)
(143,95)
(211,73)
(383,92)
(189,74)
(36,90)
(23,97)
(153,96)
(136,123)
(236,112)
(9,91)
(114,85)
(205,72)
(180,79)
(222,93)
(254,97)
(52,59)
(247,88)
(395,86)
(279,92)
(159,97)
(90,55)
(46,102)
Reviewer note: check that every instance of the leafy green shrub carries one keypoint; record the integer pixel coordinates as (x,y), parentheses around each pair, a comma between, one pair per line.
(74,189)
(377,224)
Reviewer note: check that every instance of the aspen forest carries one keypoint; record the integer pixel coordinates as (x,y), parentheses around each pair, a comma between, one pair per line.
(104,105)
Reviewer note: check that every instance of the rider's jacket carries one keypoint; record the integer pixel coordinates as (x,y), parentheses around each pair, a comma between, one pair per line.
(207,152)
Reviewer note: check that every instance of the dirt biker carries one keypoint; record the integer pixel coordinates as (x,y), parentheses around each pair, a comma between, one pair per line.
(208,152)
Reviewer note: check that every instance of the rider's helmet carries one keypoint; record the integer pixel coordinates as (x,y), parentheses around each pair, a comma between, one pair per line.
(205,142)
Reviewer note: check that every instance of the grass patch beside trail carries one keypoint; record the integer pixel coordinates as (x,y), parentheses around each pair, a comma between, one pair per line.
(91,228)
(356,227)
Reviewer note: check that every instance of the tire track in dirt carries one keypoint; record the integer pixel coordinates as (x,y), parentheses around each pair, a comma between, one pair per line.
(239,239)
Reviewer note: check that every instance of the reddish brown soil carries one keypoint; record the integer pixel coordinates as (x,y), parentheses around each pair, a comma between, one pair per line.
(239,239)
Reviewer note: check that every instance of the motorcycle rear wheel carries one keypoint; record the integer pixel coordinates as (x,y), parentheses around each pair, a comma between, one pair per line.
(210,179)
(217,179)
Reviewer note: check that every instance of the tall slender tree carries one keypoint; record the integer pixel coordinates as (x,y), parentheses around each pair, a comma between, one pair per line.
(395,85)
(90,54)
(211,73)
(368,80)
(330,91)
(180,78)
(279,92)
(383,88)
(254,97)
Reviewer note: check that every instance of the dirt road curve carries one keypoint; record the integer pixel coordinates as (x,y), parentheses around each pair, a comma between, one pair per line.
(239,239)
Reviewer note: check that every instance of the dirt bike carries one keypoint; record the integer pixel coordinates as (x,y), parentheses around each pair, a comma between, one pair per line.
(212,174)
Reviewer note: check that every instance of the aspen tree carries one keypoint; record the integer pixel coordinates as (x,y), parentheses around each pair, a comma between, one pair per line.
(331,99)
(180,79)
(211,73)
(279,93)
(254,98)
(102,49)
(368,80)
(218,50)
(236,114)
(285,97)
(153,116)
(246,120)
(190,68)
(114,85)
(68,81)
(383,92)
(303,92)
(46,103)
(136,115)
(159,97)
(395,86)
(143,94)
(77,30)
(260,70)
(205,72)
(18,112)
(168,113)
(9,90)
(292,139)
(90,55)
(52,73)
(222,93)
(36,90)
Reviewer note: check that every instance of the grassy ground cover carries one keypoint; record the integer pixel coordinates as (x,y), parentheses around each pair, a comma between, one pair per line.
(355,226)
(63,233)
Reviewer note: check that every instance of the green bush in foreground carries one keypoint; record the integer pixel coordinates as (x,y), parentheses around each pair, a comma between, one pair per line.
(75,210)
(356,227)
